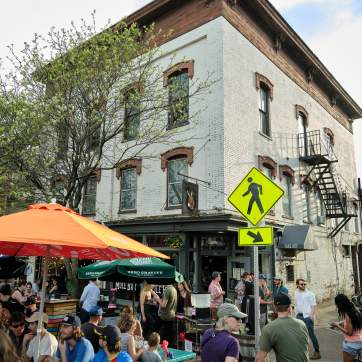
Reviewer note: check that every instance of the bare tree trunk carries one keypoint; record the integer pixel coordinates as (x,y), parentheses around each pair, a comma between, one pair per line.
(71,266)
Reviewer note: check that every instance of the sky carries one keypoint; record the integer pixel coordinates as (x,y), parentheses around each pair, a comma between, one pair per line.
(331,28)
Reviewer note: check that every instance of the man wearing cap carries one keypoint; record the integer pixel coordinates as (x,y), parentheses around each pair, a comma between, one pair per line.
(89,299)
(48,343)
(217,343)
(73,347)
(92,329)
(216,292)
(286,335)
(278,286)
(110,341)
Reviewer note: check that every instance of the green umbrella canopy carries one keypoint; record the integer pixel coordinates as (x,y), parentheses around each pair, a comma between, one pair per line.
(135,270)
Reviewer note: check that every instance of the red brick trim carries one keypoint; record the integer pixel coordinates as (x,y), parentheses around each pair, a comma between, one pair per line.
(186,65)
(269,163)
(187,152)
(129,163)
(262,80)
(330,134)
(285,170)
(138,86)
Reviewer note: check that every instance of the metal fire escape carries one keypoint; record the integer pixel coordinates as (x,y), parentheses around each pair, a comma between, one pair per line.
(321,161)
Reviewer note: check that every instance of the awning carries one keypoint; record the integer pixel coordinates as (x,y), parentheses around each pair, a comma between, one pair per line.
(298,237)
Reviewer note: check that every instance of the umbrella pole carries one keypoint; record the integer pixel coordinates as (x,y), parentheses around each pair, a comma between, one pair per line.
(42,301)
(133,298)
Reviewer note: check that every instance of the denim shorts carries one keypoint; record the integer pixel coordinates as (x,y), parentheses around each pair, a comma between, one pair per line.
(352,348)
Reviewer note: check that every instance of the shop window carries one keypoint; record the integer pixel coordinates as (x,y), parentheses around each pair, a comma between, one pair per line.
(90,196)
(128,194)
(175,169)
(131,115)
(289,269)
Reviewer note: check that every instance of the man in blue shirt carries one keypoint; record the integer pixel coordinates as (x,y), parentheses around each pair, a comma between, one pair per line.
(89,298)
(110,341)
(278,286)
(73,347)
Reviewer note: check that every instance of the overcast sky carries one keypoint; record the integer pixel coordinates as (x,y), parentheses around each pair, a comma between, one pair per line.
(331,28)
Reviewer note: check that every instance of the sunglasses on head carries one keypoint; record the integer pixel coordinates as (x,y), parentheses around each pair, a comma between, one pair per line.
(17,325)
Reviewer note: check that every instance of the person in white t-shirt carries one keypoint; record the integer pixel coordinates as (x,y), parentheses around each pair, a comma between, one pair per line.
(48,343)
(305,309)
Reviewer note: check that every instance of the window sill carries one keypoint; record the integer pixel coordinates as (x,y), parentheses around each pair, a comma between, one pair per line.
(173,207)
(308,222)
(265,136)
(89,213)
(288,217)
(178,125)
(128,211)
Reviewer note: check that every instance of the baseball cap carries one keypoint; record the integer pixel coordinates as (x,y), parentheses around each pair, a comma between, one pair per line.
(111,334)
(71,320)
(95,311)
(262,276)
(277,277)
(230,310)
(282,299)
(215,274)
(30,300)
(35,317)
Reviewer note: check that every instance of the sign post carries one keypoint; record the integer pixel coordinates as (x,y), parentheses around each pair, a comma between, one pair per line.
(255,195)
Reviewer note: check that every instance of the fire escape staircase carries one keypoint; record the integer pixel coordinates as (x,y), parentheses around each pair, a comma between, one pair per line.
(321,162)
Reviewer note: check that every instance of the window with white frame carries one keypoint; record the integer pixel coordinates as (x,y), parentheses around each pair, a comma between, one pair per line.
(132,115)
(264,110)
(175,169)
(90,196)
(287,197)
(128,193)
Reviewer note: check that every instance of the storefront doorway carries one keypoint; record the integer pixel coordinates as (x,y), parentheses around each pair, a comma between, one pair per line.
(210,264)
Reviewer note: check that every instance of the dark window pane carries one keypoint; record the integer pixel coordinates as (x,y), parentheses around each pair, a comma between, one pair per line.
(178,98)
(264,112)
(128,189)
(175,167)
(90,195)
(132,116)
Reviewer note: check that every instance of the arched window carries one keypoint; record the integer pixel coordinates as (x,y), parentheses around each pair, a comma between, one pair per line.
(265,88)
(127,172)
(177,80)
(302,119)
(287,179)
(177,162)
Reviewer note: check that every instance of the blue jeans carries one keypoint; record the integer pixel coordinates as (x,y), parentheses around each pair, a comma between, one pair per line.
(310,326)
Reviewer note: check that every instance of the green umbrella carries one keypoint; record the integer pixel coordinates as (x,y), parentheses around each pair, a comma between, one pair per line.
(134,270)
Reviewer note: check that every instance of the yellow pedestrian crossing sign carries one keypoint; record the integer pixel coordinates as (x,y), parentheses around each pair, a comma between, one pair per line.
(255,195)
(255,236)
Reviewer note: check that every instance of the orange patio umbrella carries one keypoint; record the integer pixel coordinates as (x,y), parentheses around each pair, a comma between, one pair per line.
(52,230)
(57,231)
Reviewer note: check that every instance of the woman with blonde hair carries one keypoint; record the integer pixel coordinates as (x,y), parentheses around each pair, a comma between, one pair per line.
(127,325)
(7,350)
(148,308)
(127,309)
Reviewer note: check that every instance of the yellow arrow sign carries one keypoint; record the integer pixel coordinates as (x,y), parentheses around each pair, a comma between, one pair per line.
(255,195)
(255,236)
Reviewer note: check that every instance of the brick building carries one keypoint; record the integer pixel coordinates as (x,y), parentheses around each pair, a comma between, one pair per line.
(275,106)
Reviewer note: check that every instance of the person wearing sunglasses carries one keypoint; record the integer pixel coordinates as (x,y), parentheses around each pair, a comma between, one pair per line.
(305,309)
(217,343)
(17,331)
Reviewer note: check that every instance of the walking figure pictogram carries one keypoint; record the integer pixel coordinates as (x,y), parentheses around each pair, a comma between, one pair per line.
(256,190)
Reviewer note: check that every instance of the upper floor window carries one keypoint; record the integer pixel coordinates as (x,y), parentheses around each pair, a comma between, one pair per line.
(321,211)
(286,175)
(357,218)
(128,194)
(265,88)
(307,208)
(178,99)
(90,196)
(131,115)
(177,80)
(176,168)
